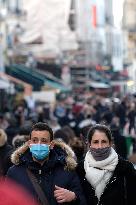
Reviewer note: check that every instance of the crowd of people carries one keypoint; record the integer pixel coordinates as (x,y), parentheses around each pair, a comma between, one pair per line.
(78,151)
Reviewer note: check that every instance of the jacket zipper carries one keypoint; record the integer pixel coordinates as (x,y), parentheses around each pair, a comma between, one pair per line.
(114,179)
(40,172)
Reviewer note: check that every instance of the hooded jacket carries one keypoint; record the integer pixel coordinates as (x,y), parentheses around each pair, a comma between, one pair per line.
(58,170)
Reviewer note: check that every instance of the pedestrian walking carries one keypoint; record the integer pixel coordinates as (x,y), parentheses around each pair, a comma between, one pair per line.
(106,178)
(45,168)
(5,153)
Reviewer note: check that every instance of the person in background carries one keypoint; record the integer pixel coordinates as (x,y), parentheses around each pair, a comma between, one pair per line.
(61,135)
(132,158)
(106,178)
(3,122)
(18,141)
(22,136)
(119,139)
(78,147)
(12,128)
(5,152)
(119,142)
(48,164)
(132,118)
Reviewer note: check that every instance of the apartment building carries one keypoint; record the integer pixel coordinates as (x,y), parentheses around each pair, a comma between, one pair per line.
(129,28)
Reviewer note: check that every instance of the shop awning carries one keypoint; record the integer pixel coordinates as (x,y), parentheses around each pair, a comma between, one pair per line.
(99,85)
(36,79)
(11,79)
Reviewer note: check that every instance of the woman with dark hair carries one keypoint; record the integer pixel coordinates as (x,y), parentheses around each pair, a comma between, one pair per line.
(106,178)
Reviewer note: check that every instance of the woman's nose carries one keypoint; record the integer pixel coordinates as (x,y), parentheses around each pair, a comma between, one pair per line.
(100,145)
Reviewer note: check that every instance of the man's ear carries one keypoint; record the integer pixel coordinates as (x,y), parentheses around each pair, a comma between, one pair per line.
(52,144)
(29,142)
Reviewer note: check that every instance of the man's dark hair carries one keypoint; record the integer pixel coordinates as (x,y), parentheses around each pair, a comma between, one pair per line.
(42,126)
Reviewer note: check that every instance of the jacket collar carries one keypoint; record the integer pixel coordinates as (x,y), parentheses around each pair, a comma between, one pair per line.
(60,150)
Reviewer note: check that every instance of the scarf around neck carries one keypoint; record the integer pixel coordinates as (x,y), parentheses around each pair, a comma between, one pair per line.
(98,173)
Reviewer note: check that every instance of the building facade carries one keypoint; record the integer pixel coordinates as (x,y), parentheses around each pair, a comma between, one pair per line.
(129,28)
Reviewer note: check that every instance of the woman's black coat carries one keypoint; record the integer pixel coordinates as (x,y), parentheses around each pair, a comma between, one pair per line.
(121,189)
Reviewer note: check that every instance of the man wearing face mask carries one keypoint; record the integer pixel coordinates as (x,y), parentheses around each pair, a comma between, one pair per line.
(106,178)
(49,165)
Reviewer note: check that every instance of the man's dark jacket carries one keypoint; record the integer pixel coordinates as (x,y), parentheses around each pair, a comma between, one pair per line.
(58,170)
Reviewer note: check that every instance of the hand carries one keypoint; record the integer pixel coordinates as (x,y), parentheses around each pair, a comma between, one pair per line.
(63,195)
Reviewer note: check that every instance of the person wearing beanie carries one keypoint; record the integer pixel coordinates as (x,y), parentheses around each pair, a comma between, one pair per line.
(46,169)
(106,178)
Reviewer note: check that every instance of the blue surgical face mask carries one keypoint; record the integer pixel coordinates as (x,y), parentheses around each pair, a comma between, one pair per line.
(40,151)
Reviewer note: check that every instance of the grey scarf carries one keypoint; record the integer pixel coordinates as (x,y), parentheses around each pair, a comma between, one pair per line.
(100,154)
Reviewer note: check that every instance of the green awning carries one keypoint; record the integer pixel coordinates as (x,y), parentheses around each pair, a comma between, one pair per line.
(33,77)
(57,85)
